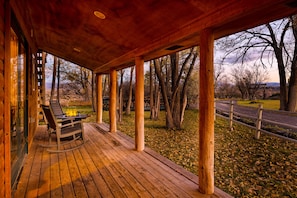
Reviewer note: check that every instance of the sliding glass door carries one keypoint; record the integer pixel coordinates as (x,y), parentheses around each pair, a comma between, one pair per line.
(18,116)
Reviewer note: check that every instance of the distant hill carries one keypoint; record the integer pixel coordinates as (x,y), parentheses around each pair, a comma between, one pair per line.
(272,84)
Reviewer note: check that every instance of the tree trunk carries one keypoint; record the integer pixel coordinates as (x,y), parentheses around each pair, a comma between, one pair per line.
(152,107)
(292,95)
(169,119)
(85,84)
(174,99)
(128,108)
(157,96)
(58,84)
(157,101)
(281,68)
(183,108)
(176,107)
(179,89)
(175,90)
(282,82)
(121,96)
(105,84)
(94,95)
(54,78)
(184,99)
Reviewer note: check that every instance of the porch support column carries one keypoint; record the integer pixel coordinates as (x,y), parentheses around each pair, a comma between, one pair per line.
(113,102)
(139,104)
(206,113)
(99,98)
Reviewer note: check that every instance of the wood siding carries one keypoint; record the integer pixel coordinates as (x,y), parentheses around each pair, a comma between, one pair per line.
(5,161)
(5,175)
(2,145)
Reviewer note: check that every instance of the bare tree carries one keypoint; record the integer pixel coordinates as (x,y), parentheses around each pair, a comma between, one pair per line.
(94,91)
(54,78)
(85,82)
(77,79)
(218,74)
(174,95)
(128,107)
(169,119)
(59,79)
(121,72)
(105,85)
(275,41)
(249,80)
(226,89)
(154,94)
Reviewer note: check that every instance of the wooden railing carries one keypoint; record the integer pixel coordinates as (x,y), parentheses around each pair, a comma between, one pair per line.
(255,122)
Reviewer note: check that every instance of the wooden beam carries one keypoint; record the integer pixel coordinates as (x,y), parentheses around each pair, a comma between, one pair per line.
(99,98)
(7,74)
(113,101)
(139,104)
(206,114)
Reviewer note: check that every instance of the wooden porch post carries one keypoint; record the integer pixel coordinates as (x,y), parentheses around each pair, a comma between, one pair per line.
(99,98)
(206,113)
(113,101)
(139,104)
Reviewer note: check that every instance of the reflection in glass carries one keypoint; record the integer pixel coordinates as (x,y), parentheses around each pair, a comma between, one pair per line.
(17,102)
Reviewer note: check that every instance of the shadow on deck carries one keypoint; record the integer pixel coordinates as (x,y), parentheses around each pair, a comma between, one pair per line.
(106,166)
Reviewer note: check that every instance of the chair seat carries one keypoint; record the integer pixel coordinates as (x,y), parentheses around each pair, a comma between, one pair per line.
(68,131)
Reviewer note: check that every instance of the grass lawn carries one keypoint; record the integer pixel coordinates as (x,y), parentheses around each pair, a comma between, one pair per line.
(267,104)
(244,167)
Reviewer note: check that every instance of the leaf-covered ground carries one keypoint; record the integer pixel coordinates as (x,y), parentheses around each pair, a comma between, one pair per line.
(244,167)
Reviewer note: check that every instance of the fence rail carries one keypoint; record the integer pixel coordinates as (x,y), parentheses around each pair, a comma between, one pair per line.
(255,122)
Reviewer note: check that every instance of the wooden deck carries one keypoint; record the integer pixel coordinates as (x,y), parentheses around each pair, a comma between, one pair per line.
(106,166)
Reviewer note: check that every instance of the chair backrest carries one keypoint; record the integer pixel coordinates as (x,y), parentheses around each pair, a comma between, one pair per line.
(49,116)
(56,108)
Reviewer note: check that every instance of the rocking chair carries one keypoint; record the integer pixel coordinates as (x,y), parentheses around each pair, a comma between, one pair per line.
(59,114)
(57,109)
(71,130)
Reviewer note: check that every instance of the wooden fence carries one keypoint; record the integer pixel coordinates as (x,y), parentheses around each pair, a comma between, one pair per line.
(254,122)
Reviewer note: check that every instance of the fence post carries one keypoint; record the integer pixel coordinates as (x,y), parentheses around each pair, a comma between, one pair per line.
(259,121)
(231,115)
(215,112)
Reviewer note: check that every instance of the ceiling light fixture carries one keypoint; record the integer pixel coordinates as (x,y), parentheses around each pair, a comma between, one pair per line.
(174,47)
(99,14)
(76,50)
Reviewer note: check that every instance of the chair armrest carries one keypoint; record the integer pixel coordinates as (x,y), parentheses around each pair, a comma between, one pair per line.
(71,123)
(65,119)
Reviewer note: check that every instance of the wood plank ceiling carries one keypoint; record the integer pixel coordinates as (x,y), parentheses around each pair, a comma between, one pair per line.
(147,28)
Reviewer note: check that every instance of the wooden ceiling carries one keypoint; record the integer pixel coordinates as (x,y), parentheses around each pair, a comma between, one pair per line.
(148,28)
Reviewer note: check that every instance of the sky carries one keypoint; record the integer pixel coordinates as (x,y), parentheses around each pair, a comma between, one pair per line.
(258,37)
(272,72)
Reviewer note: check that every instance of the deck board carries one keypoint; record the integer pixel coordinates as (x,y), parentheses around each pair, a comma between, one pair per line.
(67,187)
(106,166)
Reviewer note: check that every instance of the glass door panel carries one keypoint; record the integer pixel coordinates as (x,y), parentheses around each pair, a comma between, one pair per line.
(17,105)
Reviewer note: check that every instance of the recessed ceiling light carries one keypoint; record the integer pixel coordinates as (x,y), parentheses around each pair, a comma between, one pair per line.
(174,47)
(76,50)
(99,14)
